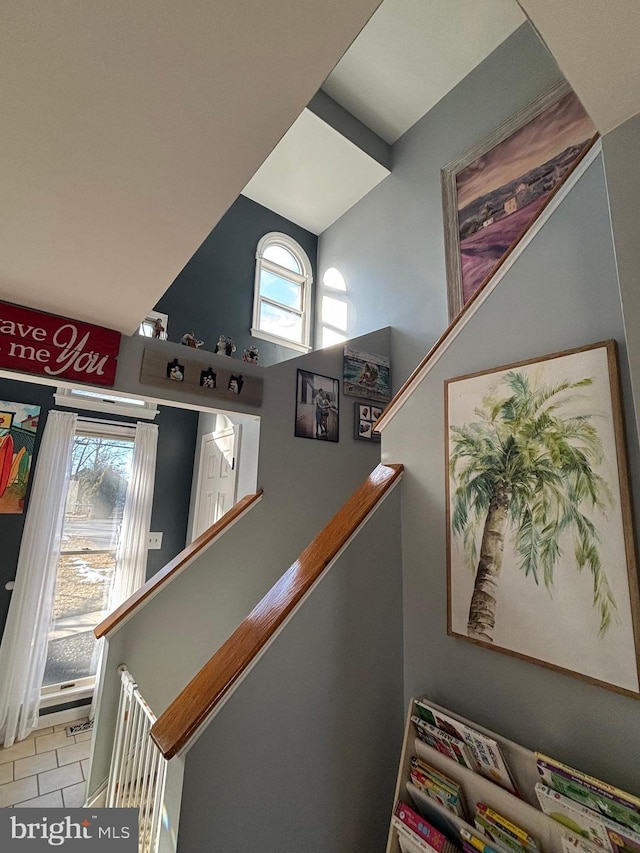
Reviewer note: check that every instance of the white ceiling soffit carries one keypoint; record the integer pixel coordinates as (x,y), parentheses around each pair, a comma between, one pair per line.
(411,53)
(314,175)
(596,46)
(129,128)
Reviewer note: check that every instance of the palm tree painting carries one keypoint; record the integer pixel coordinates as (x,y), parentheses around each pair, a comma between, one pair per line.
(541,558)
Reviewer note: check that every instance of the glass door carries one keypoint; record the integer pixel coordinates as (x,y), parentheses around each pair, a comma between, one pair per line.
(101,466)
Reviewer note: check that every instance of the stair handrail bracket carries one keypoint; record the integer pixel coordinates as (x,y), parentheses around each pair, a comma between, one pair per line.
(177,729)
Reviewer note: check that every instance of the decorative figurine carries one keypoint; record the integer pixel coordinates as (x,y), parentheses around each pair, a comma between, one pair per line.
(250,355)
(225,345)
(158,328)
(189,340)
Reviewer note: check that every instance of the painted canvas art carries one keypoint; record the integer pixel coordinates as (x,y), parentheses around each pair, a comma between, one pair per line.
(366,375)
(18,428)
(494,192)
(541,558)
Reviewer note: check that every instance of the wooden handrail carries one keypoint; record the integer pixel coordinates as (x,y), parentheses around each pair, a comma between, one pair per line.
(488,285)
(173,568)
(216,680)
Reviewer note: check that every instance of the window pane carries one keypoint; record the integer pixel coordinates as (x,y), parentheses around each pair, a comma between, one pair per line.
(80,603)
(329,337)
(334,312)
(280,290)
(97,490)
(279,321)
(283,257)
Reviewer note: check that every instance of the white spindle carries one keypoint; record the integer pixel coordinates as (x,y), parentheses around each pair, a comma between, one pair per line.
(138,769)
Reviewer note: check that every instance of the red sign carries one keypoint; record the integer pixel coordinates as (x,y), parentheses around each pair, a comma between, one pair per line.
(56,346)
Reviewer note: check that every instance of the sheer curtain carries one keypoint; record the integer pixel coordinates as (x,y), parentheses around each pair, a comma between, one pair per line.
(133,544)
(23,652)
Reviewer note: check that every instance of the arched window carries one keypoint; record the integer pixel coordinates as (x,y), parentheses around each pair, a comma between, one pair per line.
(282,294)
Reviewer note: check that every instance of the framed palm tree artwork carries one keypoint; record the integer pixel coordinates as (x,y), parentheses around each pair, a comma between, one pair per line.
(540,546)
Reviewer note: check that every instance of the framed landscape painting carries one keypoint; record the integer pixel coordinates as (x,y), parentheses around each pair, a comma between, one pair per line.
(495,191)
(540,548)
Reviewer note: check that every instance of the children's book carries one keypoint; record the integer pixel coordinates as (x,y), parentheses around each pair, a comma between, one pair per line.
(444,821)
(423,830)
(578,819)
(407,844)
(572,843)
(608,801)
(510,833)
(616,837)
(486,751)
(444,742)
(437,786)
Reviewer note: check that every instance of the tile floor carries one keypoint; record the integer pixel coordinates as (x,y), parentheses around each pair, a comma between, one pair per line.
(49,768)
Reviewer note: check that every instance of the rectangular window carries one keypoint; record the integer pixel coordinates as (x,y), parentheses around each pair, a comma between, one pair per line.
(101,467)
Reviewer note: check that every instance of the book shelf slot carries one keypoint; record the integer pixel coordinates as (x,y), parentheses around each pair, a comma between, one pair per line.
(522,810)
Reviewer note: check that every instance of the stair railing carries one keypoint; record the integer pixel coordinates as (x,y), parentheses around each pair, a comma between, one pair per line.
(138,769)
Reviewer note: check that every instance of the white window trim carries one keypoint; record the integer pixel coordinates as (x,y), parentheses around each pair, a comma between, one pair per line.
(53,695)
(73,398)
(304,279)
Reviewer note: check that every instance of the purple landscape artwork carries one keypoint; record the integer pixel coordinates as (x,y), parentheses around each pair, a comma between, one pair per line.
(502,191)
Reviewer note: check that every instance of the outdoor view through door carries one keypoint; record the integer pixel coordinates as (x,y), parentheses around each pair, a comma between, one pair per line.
(100,472)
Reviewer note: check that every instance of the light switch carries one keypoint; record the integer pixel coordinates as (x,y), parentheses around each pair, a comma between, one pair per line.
(155,541)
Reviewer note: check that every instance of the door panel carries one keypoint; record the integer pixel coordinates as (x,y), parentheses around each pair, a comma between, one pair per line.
(216,490)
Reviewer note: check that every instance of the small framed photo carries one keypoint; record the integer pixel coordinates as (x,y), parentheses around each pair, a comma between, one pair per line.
(207,378)
(364,420)
(175,370)
(317,406)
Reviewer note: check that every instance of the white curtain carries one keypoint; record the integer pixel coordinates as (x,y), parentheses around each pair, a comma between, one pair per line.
(133,543)
(23,653)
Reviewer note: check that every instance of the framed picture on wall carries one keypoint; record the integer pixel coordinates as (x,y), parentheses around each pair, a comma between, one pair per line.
(493,193)
(18,427)
(540,546)
(364,420)
(317,406)
(366,375)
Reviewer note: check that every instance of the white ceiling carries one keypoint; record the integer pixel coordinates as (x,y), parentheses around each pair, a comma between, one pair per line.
(129,129)
(411,53)
(596,45)
(314,174)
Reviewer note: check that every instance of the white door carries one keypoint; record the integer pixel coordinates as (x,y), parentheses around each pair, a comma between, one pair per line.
(216,490)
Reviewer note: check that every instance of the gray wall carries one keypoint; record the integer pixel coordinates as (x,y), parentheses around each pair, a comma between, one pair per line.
(305,482)
(304,755)
(213,295)
(562,292)
(623,183)
(389,246)
(176,444)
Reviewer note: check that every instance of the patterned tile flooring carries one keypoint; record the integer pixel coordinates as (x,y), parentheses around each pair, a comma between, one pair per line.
(49,768)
